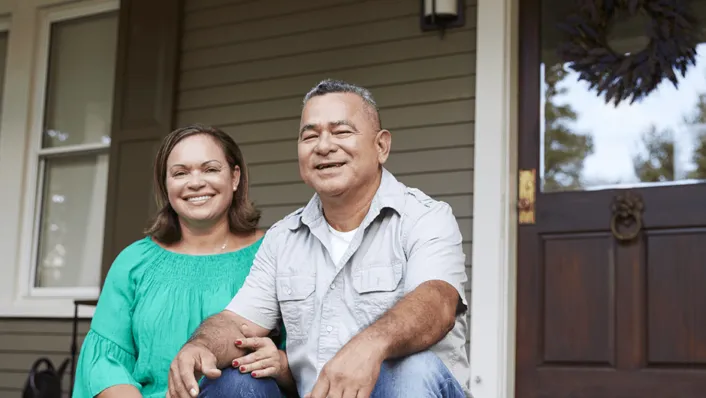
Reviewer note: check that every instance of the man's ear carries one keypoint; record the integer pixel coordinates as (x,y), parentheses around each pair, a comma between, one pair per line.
(236,178)
(383,142)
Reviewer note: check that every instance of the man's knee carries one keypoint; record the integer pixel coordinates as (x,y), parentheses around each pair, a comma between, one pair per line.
(420,373)
(233,383)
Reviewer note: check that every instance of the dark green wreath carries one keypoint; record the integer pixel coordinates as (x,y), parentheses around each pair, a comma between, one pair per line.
(673,34)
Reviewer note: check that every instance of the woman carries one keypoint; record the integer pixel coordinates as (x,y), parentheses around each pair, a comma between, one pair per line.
(196,255)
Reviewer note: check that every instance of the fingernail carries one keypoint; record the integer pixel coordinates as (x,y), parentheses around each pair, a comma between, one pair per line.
(254,375)
(238,342)
(235,364)
(242,368)
(192,392)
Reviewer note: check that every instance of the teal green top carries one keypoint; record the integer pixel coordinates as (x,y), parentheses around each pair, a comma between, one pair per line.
(151,302)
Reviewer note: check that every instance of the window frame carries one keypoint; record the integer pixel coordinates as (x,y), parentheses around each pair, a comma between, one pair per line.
(38,155)
(27,62)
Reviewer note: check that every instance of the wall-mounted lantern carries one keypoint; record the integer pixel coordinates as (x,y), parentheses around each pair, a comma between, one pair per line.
(442,14)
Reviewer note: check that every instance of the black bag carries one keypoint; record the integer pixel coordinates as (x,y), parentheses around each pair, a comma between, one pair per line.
(44,383)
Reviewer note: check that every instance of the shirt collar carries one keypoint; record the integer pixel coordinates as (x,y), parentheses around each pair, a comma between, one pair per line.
(390,194)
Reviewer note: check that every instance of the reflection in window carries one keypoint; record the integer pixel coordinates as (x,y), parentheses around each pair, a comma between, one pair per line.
(587,143)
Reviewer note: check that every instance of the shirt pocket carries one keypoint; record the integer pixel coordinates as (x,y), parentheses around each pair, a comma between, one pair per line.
(296,302)
(377,286)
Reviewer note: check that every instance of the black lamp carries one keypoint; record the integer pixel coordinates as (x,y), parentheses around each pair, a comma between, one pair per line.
(442,14)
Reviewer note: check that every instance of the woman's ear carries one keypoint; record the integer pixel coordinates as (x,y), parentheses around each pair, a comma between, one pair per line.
(236,178)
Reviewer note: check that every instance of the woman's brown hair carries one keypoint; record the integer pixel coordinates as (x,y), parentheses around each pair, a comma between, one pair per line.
(243,216)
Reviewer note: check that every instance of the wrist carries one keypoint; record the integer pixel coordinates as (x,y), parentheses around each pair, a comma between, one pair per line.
(283,366)
(375,343)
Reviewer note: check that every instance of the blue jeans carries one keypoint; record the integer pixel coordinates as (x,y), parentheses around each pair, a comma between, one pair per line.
(420,375)
(234,384)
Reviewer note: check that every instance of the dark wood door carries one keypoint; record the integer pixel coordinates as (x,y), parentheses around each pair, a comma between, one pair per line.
(600,315)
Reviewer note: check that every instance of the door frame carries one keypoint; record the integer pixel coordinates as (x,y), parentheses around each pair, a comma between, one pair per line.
(493,308)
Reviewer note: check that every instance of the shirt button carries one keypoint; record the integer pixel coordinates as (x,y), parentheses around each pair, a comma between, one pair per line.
(329,328)
(289,291)
(333,286)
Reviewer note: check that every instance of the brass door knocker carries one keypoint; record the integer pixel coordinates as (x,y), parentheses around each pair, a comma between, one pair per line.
(627,215)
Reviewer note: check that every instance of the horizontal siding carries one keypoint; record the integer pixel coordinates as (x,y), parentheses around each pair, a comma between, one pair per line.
(23,341)
(247,64)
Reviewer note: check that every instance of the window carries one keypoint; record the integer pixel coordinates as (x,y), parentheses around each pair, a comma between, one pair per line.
(71,138)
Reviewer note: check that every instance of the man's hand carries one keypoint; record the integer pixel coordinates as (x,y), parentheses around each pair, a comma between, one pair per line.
(351,373)
(192,361)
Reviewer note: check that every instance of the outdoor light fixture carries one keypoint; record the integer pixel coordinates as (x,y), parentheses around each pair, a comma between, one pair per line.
(442,14)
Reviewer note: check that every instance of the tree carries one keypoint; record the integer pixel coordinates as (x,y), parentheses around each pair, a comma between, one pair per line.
(564,151)
(656,164)
(697,120)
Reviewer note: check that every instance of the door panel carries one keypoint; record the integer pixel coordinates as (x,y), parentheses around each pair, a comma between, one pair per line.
(599,316)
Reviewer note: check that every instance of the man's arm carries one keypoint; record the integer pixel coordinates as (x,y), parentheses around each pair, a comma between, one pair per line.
(419,320)
(218,334)
(436,274)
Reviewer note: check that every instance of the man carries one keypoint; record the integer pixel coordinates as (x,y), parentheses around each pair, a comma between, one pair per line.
(368,277)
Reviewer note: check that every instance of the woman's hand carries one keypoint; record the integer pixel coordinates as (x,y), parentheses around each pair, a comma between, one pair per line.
(265,360)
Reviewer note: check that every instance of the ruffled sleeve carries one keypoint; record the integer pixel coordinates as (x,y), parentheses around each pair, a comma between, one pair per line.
(108,352)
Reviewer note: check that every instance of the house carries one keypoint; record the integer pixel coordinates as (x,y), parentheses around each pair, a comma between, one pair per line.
(568,297)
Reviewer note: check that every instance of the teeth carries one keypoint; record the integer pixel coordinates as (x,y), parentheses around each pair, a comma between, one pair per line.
(199,198)
(321,167)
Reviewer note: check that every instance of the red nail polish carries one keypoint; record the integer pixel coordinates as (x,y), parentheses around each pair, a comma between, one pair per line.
(235,364)
(242,368)
(238,342)
(254,375)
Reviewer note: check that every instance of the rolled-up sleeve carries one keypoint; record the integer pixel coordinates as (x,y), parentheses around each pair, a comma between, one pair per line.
(256,300)
(435,250)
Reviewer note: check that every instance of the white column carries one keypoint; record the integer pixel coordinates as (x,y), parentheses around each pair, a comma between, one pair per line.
(494,202)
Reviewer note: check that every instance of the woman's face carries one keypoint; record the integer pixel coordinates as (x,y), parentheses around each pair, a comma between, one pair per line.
(200,184)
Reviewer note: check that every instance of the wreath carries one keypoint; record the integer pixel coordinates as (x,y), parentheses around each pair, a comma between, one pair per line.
(673,36)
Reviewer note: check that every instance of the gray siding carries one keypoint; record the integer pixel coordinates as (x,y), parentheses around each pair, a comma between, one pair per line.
(246,65)
(22,341)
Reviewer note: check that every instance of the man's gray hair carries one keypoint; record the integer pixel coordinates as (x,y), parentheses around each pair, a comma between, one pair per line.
(330,86)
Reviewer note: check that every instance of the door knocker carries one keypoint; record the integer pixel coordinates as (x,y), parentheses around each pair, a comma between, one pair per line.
(627,215)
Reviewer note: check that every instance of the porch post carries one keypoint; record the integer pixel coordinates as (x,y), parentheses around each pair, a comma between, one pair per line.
(494,205)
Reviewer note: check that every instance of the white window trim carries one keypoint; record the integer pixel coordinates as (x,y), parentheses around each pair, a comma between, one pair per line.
(20,136)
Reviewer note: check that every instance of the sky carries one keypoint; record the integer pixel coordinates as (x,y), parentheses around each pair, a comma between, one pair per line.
(616,131)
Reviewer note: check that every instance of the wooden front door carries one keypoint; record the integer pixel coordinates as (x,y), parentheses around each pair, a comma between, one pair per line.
(611,298)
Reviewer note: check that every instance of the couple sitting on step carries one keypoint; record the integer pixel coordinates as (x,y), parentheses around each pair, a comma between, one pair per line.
(358,294)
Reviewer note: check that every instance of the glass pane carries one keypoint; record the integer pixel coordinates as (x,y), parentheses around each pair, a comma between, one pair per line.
(71,227)
(80,81)
(588,143)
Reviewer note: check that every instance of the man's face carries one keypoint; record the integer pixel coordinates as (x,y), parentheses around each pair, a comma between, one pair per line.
(340,147)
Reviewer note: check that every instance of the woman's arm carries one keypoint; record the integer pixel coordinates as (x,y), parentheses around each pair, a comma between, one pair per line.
(120,391)
(108,353)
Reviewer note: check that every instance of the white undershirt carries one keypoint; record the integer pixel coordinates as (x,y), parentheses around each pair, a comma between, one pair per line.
(340,242)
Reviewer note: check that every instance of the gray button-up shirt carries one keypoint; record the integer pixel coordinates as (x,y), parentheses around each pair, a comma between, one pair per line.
(406,238)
